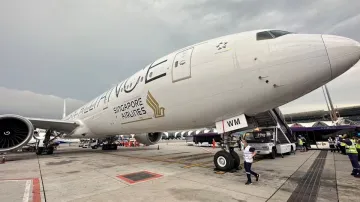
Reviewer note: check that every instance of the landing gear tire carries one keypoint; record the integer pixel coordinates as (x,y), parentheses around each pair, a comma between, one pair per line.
(236,158)
(273,154)
(50,150)
(223,161)
(39,150)
(109,147)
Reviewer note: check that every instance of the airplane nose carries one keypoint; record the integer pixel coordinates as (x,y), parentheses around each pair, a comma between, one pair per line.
(343,53)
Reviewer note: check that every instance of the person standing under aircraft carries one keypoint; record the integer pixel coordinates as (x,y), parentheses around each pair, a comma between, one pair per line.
(240,144)
(358,148)
(304,144)
(337,143)
(301,144)
(249,153)
(353,156)
(331,144)
(342,144)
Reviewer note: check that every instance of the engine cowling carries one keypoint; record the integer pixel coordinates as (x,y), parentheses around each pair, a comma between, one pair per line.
(148,138)
(15,131)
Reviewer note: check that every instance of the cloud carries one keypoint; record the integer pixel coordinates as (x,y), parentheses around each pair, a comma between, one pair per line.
(79,49)
(29,104)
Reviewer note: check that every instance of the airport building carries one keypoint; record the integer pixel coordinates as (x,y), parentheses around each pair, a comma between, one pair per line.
(348,113)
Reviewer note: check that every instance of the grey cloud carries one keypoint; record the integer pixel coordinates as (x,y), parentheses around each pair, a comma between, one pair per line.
(64,48)
(31,104)
(303,16)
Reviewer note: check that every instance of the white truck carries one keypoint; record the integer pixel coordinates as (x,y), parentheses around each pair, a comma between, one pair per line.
(269,141)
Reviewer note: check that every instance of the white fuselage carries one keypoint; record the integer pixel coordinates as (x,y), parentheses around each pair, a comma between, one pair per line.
(210,81)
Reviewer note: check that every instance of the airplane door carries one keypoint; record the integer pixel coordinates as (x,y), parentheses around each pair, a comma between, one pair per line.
(181,68)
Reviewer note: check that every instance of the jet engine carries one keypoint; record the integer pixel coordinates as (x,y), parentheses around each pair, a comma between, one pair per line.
(148,138)
(15,131)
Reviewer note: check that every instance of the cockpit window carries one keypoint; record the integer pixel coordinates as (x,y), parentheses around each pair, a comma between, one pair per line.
(277,33)
(263,36)
(271,34)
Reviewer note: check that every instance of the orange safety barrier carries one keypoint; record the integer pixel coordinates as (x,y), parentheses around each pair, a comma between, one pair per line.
(3,160)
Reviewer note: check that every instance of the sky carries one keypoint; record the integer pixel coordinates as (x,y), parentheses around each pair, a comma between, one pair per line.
(53,50)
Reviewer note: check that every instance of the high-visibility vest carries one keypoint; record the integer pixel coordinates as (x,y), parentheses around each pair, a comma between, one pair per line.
(357,145)
(300,142)
(342,144)
(352,148)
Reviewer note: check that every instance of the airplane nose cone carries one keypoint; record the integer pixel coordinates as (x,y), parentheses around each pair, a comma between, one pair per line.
(343,53)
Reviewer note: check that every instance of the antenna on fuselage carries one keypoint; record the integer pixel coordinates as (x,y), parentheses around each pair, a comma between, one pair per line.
(64,110)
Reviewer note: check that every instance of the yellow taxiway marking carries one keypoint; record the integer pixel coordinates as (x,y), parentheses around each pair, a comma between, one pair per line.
(170,161)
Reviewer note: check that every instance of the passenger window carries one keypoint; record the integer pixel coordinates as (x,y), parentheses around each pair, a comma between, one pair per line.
(263,36)
(176,63)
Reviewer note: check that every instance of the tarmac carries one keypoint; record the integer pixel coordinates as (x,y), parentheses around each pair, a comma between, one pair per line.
(174,172)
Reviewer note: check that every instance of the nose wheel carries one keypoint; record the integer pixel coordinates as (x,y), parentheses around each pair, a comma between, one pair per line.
(223,161)
(227,160)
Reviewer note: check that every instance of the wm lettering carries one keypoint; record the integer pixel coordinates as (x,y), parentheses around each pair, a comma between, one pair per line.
(233,122)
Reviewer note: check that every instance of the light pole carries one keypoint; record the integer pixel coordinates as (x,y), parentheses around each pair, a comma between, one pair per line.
(327,104)
(331,104)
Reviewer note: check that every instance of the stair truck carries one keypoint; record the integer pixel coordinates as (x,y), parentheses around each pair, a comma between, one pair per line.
(269,141)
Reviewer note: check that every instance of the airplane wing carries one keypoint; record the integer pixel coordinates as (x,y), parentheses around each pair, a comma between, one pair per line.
(54,124)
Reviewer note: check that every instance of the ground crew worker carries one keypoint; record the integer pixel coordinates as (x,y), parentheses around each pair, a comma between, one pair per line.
(358,148)
(239,144)
(337,143)
(353,156)
(301,144)
(249,153)
(304,144)
(342,144)
(331,144)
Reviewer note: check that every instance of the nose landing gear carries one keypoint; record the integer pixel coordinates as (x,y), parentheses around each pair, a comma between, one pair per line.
(227,159)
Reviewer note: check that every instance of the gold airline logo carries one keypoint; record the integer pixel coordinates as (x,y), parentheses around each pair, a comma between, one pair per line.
(151,101)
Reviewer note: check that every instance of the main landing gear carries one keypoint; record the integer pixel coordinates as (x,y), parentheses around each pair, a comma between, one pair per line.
(110,144)
(227,159)
(46,145)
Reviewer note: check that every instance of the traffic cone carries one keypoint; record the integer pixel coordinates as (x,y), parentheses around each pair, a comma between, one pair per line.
(213,143)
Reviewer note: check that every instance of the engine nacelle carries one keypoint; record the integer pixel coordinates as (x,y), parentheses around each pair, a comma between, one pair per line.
(148,138)
(15,131)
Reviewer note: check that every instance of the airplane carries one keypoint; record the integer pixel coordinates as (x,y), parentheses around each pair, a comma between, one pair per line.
(230,82)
